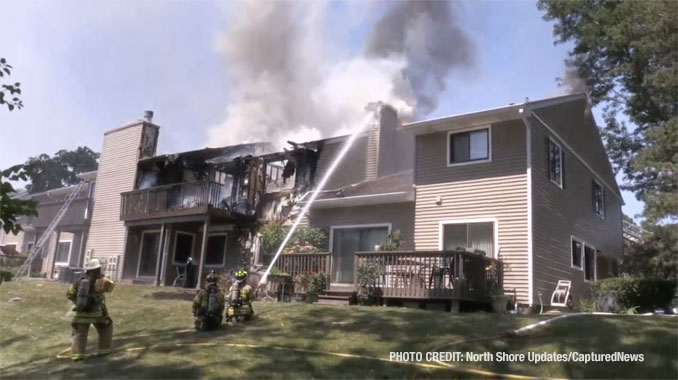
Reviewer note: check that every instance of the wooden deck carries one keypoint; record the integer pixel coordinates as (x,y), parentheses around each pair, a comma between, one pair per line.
(190,198)
(421,275)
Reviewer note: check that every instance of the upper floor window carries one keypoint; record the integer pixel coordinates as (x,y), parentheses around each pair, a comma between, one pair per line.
(555,163)
(598,199)
(468,147)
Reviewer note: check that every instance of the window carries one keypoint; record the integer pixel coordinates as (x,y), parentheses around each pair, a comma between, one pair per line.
(577,247)
(555,163)
(589,263)
(478,236)
(216,250)
(598,199)
(63,253)
(183,247)
(468,147)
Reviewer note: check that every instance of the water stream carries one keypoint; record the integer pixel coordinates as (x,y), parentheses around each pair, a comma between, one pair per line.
(369,119)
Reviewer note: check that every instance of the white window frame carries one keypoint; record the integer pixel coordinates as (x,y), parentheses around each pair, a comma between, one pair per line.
(70,249)
(602,195)
(581,253)
(223,257)
(349,226)
(495,232)
(470,129)
(174,246)
(141,249)
(560,172)
(583,262)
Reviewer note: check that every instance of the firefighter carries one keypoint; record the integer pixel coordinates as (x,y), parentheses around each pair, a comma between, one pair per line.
(89,307)
(240,299)
(209,304)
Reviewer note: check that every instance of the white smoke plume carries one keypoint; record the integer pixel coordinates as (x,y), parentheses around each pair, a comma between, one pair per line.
(282,85)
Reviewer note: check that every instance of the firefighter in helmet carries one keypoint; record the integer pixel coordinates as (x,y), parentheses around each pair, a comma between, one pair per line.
(240,299)
(209,304)
(89,307)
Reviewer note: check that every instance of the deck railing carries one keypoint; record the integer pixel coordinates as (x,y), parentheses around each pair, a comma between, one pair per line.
(181,199)
(434,274)
(303,263)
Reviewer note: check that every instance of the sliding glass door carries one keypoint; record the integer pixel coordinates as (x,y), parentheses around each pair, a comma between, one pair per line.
(348,241)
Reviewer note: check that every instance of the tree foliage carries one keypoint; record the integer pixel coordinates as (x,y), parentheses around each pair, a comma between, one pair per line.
(626,53)
(656,256)
(46,173)
(9,92)
(11,208)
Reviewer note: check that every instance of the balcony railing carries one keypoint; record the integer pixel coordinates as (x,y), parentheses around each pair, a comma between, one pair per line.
(189,198)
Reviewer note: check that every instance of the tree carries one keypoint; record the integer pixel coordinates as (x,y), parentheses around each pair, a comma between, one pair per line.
(10,206)
(8,91)
(46,173)
(656,256)
(626,54)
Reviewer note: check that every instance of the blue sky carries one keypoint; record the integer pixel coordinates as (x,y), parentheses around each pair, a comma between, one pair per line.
(88,67)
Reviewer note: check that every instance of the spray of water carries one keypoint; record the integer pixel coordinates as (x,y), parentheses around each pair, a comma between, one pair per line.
(368,120)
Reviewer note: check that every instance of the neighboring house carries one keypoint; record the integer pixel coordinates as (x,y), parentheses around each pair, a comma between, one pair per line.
(529,184)
(65,248)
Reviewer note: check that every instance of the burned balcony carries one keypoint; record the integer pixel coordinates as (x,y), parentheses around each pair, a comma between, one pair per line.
(189,198)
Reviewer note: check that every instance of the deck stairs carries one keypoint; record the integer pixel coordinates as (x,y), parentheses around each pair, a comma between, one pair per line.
(337,294)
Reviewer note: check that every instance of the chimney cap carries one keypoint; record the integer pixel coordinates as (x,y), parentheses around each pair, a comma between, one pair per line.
(148,116)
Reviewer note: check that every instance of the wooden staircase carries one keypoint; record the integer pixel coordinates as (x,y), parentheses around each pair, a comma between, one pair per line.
(337,294)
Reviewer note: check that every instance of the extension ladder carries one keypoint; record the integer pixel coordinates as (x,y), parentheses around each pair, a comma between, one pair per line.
(44,238)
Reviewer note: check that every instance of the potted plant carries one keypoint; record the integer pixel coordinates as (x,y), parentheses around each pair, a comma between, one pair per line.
(498,299)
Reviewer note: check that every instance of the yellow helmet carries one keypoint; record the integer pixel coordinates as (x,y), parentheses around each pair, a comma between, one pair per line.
(241,274)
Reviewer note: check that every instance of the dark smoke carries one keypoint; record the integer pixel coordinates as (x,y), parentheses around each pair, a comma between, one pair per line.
(424,32)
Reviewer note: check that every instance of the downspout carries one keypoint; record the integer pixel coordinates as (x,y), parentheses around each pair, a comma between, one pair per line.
(524,114)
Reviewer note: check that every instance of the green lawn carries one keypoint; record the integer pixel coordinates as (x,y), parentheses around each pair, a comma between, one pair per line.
(152,339)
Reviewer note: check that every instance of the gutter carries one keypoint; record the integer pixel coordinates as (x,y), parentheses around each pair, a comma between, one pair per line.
(361,200)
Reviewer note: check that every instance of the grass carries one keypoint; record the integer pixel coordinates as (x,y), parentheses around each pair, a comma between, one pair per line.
(34,329)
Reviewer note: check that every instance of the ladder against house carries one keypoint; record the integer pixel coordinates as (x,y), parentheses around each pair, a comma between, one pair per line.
(25,268)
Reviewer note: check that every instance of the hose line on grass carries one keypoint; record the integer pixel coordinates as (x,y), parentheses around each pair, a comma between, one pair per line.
(440,366)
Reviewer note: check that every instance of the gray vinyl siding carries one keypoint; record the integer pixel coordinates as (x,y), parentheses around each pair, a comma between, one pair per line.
(508,156)
(496,189)
(574,122)
(116,174)
(352,169)
(400,215)
(559,213)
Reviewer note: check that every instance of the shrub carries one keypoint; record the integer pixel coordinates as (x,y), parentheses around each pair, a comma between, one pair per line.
(6,275)
(272,235)
(626,293)
(368,275)
(304,239)
(313,284)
